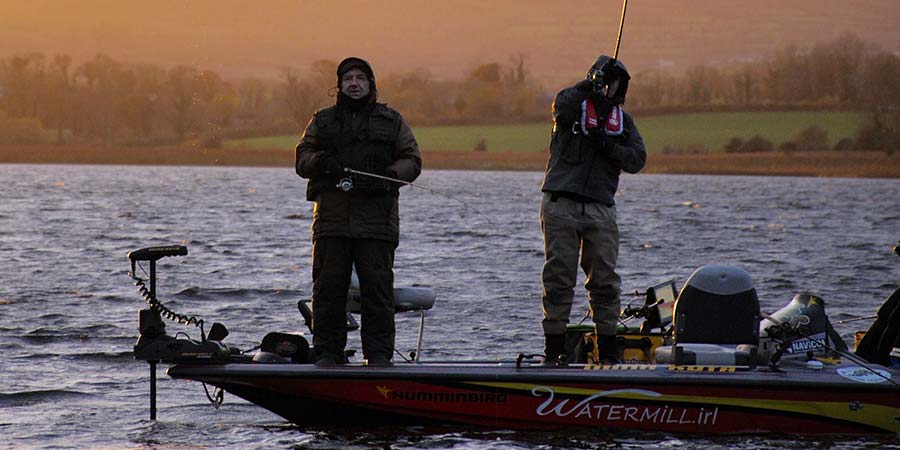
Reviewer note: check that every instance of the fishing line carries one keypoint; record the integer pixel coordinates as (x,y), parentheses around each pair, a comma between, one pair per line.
(409,183)
(855,359)
(856,319)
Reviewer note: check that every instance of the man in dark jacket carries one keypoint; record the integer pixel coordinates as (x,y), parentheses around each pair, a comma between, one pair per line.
(593,141)
(356,221)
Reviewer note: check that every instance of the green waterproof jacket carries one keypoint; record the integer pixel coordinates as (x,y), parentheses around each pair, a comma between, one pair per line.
(375,140)
(589,166)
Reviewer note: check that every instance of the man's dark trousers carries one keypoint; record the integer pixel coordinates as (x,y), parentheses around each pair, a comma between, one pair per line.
(333,261)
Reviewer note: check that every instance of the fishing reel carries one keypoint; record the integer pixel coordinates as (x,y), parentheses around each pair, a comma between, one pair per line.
(345,184)
(609,78)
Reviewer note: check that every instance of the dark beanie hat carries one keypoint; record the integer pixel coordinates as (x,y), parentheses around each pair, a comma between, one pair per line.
(355,63)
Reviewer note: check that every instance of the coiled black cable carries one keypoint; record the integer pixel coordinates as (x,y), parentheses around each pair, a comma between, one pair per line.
(163,311)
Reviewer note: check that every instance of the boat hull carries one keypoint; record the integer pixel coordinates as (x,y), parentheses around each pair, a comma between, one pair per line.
(642,397)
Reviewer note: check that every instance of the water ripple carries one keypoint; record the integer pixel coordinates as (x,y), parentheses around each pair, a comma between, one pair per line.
(68,312)
(26,398)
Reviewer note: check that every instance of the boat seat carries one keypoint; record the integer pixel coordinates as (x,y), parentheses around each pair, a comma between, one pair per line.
(406,299)
(715,321)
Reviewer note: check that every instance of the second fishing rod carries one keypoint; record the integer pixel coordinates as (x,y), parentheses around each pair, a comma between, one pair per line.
(346,184)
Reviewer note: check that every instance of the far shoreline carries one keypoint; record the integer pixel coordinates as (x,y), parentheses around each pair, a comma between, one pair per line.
(855,164)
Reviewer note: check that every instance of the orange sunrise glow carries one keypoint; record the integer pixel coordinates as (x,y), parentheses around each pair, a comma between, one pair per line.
(448,38)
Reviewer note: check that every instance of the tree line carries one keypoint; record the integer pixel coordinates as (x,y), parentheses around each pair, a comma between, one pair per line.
(106,101)
(842,73)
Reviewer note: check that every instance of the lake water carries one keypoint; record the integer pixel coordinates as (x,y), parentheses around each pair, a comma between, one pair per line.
(68,311)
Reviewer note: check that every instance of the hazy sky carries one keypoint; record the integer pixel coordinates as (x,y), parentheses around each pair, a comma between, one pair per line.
(447,37)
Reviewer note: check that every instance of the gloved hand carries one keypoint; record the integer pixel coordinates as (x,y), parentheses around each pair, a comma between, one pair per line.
(390,172)
(601,142)
(329,166)
(616,79)
(585,86)
(602,105)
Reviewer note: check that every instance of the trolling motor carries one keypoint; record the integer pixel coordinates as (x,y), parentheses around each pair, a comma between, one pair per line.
(153,344)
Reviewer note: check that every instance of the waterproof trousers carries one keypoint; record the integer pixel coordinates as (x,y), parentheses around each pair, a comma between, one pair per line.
(333,262)
(570,226)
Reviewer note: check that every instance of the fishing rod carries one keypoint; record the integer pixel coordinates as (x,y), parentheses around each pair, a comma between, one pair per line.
(605,75)
(855,359)
(621,26)
(346,185)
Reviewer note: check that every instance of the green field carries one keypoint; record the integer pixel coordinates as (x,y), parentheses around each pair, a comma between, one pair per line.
(712,130)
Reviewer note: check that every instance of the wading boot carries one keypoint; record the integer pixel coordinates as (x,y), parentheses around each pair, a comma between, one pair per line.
(607,350)
(325,358)
(378,361)
(328,360)
(554,350)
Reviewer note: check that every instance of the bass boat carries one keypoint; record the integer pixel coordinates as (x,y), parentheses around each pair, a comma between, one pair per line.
(700,359)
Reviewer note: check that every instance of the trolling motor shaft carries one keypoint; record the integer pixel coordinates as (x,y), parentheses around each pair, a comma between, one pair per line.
(153,344)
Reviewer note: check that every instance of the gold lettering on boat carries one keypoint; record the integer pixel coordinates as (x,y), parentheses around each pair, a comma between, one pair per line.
(619,366)
(708,369)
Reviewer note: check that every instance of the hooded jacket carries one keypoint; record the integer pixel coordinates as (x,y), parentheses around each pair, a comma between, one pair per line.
(588,166)
(374,139)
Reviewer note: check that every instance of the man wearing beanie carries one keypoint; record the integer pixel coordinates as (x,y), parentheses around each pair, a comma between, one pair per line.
(356,220)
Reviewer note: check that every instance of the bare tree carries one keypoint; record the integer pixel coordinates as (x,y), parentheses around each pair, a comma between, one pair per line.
(61,86)
(253,96)
(744,89)
(183,99)
(23,79)
(104,87)
(298,97)
(144,106)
